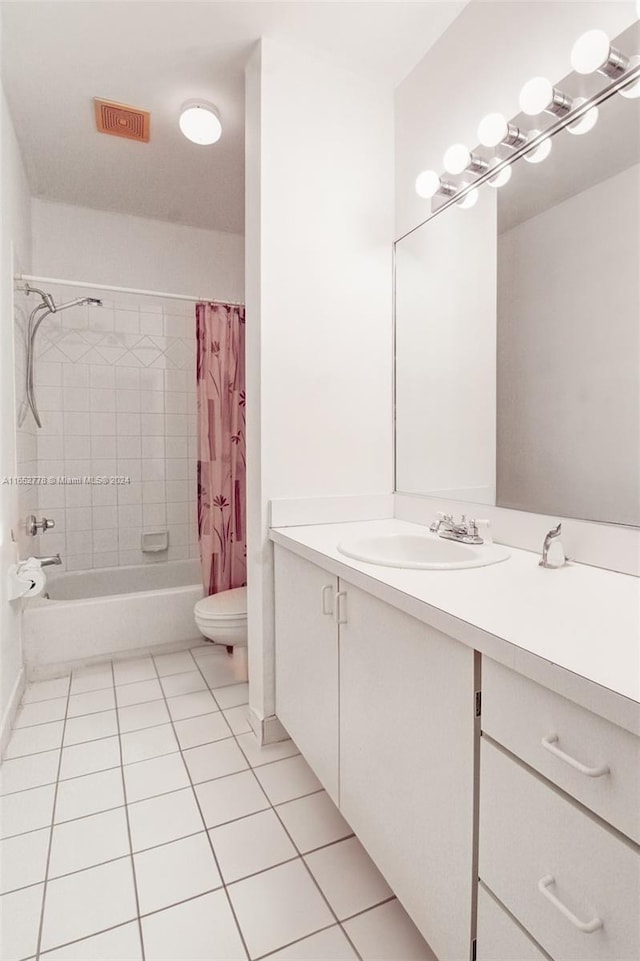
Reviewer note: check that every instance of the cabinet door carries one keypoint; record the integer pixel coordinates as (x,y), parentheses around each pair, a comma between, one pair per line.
(307,662)
(407,760)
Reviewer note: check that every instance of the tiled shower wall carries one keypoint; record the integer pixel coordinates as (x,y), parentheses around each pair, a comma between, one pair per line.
(26,433)
(116,394)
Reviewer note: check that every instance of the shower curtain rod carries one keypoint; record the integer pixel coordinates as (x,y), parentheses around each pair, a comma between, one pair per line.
(124,290)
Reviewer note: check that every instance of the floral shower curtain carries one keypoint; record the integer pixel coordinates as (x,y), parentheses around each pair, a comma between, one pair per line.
(220,373)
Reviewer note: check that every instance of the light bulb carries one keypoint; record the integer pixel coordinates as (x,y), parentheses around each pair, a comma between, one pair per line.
(492,129)
(427,184)
(539,95)
(501,178)
(633,90)
(200,123)
(536,95)
(590,51)
(541,152)
(586,123)
(456,159)
(593,51)
(469,200)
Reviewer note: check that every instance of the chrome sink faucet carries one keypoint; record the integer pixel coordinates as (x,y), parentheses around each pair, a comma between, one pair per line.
(559,558)
(48,561)
(466,532)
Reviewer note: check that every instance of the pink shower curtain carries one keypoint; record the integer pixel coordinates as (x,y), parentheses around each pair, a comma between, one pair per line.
(220,373)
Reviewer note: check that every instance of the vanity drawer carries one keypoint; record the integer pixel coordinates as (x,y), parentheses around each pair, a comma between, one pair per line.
(555,867)
(499,938)
(524,717)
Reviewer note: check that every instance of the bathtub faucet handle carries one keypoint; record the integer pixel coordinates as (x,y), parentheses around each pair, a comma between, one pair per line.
(33,526)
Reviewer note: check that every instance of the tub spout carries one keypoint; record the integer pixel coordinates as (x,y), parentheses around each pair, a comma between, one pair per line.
(48,561)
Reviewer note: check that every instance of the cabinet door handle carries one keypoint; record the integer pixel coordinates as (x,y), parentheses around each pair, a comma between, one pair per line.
(327,598)
(340,613)
(587,927)
(549,744)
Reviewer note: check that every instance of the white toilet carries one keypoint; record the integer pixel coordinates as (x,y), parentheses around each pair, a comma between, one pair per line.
(222,617)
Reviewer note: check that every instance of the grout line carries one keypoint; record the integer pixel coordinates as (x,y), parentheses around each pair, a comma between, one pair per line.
(214,855)
(371,907)
(57,947)
(126,810)
(295,847)
(290,944)
(51,828)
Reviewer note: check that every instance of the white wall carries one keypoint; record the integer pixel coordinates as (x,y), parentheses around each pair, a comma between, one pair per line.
(478,66)
(568,428)
(14,236)
(77,243)
(319,232)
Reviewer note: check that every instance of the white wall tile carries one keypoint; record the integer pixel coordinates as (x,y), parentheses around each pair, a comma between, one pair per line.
(75,375)
(104,518)
(128,401)
(154,492)
(176,468)
(75,398)
(151,380)
(176,447)
(79,562)
(50,399)
(128,424)
(177,491)
(154,447)
(48,375)
(128,447)
(102,424)
(105,540)
(152,425)
(102,377)
(77,446)
(154,515)
(78,519)
(129,538)
(152,401)
(103,446)
(103,400)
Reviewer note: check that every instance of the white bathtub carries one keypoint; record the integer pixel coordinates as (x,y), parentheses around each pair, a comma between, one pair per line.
(93,614)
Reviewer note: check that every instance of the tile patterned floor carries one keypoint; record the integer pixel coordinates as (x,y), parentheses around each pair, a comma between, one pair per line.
(140,820)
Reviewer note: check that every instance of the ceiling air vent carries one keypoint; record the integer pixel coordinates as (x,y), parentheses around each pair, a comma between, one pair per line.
(122,121)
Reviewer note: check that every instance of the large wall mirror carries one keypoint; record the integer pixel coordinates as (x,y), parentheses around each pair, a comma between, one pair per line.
(518,335)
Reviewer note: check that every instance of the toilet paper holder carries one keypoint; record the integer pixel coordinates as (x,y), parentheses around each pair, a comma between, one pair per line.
(25,579)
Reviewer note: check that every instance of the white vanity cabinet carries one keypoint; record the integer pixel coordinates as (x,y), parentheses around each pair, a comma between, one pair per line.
(307,662)
(557,850)
(406,762)
(394,700)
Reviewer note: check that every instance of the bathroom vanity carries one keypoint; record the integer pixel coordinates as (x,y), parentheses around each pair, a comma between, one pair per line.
(480,731)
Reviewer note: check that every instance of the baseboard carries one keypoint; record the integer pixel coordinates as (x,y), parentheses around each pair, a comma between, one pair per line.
(12,709)
(268,730)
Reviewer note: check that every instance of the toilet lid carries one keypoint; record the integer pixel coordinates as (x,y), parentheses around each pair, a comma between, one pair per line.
(231,603)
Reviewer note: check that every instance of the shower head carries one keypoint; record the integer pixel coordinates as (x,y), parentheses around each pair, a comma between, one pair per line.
(92,301)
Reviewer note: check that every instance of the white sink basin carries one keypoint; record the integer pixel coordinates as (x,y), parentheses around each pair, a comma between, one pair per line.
(422,551)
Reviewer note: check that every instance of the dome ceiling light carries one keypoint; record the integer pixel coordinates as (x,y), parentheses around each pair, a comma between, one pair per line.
(200,122)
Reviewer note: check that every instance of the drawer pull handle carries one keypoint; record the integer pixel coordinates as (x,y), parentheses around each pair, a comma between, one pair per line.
(327,606)
(340,612)
(587,927)
(549,744)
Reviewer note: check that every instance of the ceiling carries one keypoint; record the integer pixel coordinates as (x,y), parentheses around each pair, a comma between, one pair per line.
(57,56)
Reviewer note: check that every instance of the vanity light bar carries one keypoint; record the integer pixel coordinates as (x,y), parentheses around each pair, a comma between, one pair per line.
(591,53)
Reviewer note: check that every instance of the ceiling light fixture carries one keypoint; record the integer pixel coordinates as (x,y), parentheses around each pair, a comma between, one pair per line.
(200,122)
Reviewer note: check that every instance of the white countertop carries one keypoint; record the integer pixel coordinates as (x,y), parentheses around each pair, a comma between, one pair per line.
(585,620)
